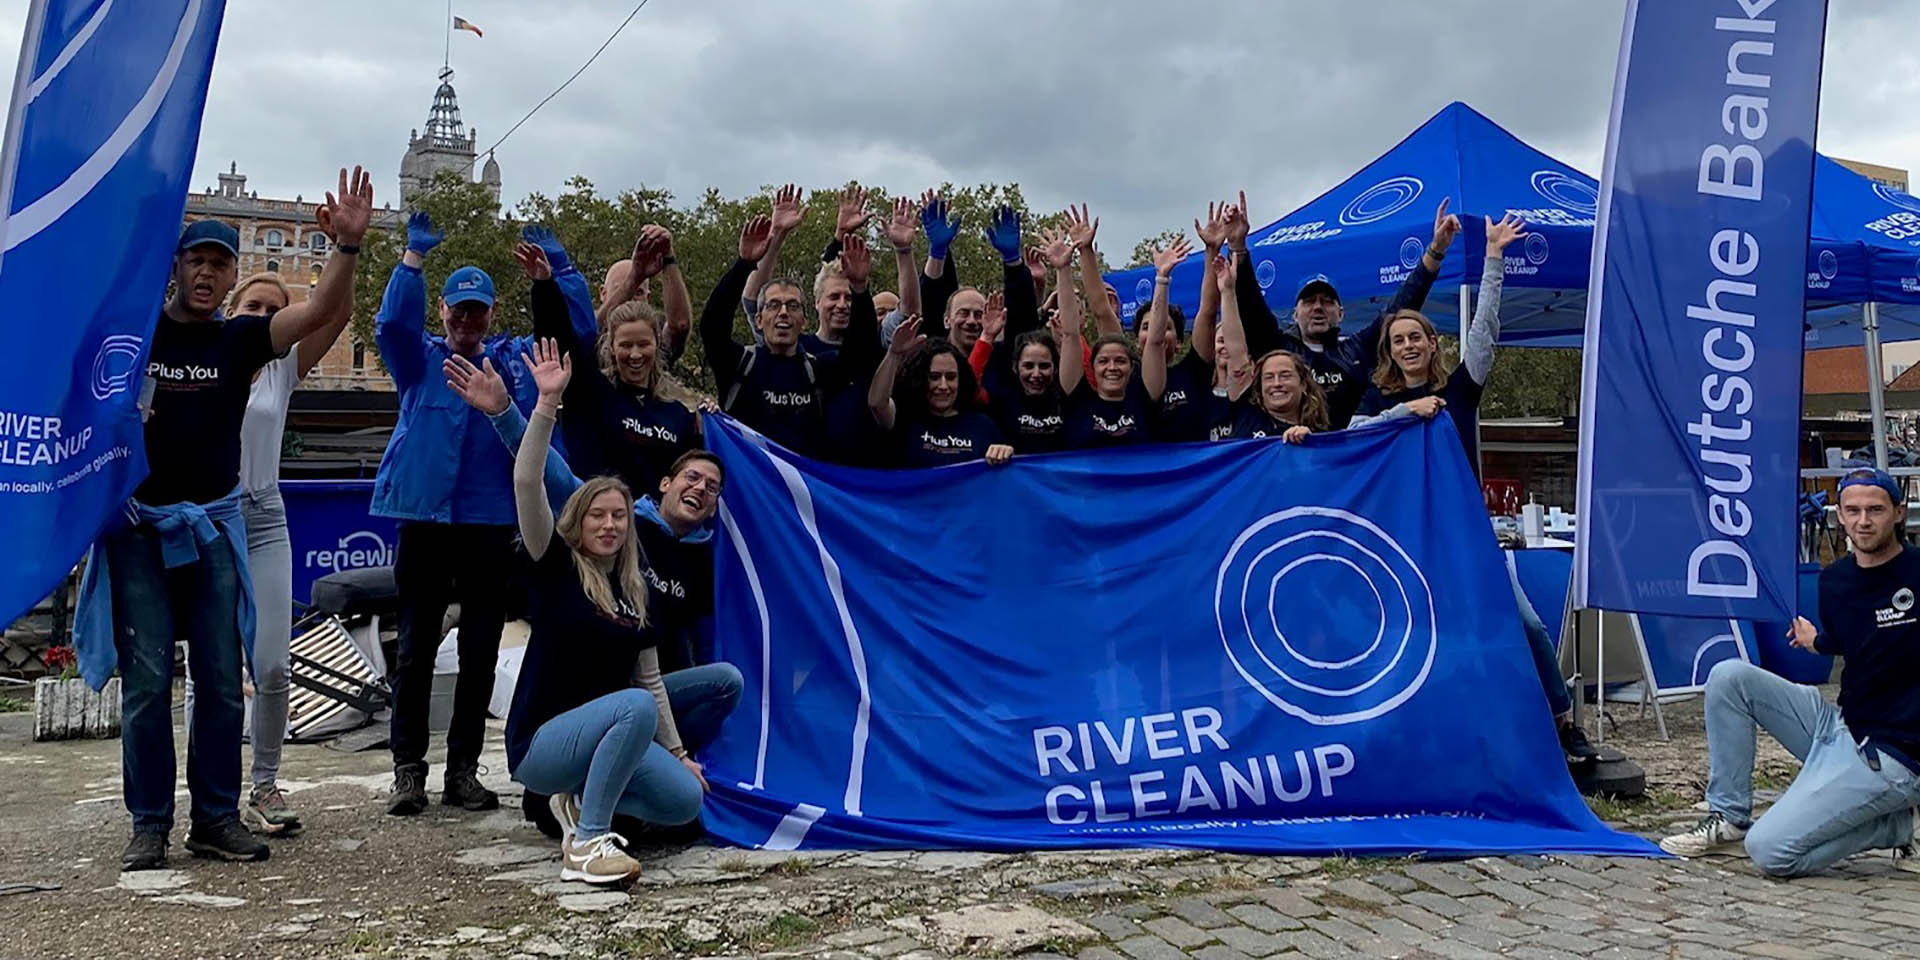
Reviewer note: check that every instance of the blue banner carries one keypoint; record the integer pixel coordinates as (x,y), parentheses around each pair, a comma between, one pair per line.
(100,140)
(331,530)
(1231,646)
(1681,651)
(1690,399)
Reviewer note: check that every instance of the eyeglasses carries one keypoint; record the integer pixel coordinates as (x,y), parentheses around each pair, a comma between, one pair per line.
(698,482)
(776,306)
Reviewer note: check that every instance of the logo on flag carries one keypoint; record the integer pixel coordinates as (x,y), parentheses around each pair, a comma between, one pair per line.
(1382,200)
(1565,192)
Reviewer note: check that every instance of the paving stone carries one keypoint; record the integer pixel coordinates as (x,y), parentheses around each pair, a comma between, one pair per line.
(1264,918)
(1177,932)
(1200,913)
(1512,893)
(1363,891)
(1082,888)
(1218,952)
(1393,883)
(1146,947)
(1311,943)
(1339,929)
(1555,940)
(1098,953)
(1442,879)
(1246,940)
(1779,951)
(1419,917)
(1112,927)
(1290,902)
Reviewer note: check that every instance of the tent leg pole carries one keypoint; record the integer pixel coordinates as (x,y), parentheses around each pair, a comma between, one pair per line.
(1600,680)
(1876,384)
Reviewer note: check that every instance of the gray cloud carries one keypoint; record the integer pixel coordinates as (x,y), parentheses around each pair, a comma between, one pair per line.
(1143,110)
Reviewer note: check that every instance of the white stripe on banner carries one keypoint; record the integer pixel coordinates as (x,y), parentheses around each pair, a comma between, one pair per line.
(766,643)
(87,30)
(793,827)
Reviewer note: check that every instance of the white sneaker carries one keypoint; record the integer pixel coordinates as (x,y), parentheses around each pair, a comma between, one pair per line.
(1713,834)
(597,860)
(566,809)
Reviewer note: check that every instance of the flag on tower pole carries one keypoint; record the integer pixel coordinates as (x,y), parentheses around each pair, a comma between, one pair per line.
(462,24)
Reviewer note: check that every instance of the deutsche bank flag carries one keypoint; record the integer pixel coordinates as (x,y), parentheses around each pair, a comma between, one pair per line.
(1241,646)
(99,143)
(1690,396)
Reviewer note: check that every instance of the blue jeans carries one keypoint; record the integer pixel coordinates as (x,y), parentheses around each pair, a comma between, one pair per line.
(1546,659)
(154,607)
(1838,805)
(270,560)
(603,750)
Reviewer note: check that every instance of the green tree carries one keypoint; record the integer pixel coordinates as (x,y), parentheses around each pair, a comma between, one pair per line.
(1534,382)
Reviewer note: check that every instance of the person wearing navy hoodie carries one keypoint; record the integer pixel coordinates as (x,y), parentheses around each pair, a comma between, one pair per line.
(448,484)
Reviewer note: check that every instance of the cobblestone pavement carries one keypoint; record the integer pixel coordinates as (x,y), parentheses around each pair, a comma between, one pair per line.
(452,884)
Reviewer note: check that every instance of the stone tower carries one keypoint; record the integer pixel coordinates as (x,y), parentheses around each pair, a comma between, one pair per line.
(447,146)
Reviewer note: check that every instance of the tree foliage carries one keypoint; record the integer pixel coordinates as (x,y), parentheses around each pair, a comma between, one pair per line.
(1144,250)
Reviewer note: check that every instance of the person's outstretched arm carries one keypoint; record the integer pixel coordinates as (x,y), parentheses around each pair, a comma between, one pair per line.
(400,326)
(1213,236)
(900,230)
(1476,348)
(1225,272)
(906,338)
(1066,330)
(1081,230)
(551,368)
(716,318)
(789,209)
(939,281)
(1413,290)
(483,390)
(1153,342)
(345,219)
(1257,320)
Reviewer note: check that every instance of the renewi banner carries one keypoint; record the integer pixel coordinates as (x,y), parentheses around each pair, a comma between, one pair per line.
(1690,399)
(99,142)
(1232,646)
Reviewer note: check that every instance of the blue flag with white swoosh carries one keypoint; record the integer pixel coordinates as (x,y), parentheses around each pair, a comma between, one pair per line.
(100,139)
(1231,646)
(1690,404)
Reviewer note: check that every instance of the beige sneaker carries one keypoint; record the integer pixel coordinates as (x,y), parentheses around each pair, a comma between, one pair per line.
(1713,834)
(597,860)
(566,809)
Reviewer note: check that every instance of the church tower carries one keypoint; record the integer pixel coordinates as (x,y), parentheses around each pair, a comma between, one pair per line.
(447,146)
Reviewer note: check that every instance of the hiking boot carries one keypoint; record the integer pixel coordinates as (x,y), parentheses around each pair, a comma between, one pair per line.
(462,788)
(1713,834)
(409,790)
(1574,743)
(597,860)
(146,851)
(226,840)
(566,810)
(266,812)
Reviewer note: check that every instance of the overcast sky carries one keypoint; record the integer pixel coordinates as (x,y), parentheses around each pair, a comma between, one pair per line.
(1142,109)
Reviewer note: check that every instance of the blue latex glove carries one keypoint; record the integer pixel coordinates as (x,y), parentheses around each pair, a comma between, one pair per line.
(940,231)
(1004,233)
(549,244)
(421,236)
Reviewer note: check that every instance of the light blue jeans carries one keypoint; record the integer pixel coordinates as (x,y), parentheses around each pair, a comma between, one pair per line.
(1838,805)
(270,561)
(603,750)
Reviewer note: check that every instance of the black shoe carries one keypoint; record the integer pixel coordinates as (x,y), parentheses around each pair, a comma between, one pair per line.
(1573,742)
(534,808)
(146,851)
(409,790)
(462,788)
(226,840)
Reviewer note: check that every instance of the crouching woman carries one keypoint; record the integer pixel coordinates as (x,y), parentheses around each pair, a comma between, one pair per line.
(579,730)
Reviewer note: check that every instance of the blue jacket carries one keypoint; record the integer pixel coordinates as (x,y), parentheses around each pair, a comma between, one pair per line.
(444,463)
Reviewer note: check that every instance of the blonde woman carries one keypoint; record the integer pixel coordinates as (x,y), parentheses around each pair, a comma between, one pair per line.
(578,730)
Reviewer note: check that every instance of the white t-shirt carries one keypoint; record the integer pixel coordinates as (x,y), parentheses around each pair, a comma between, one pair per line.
(265,421)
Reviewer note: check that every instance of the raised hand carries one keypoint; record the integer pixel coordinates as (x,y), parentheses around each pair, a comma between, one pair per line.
(546,241)
(1004,233)
(755,236)
(1225,271)
(856,261)
(1509,228)
(1081,230)
(1426,407)
(1445,227)
(650,251)
(1237,224)
(906,337)
(1037,266)
(1056,248)
(902,225)
(481,387)
(788,209)
(996,320)
(853,210)
(1213,233)
(940,230)
(421,236)
(345,217)
(533,260)
(551,368)
(1165,260)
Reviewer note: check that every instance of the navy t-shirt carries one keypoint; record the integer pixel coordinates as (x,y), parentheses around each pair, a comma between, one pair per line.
(1344,384)
(202,373)
(1030,424)
(1185,414)
(821,349)
(1463,405)
(1252,420)
(1871,617)
(935,441)
(679,590)
(1094,421)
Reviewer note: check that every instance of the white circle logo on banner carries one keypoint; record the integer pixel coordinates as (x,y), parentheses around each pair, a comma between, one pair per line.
(1566,192)
(1410,251)
(1280,647)
(1904,201)
(1536,248)
(1265,273)
(1829,265)
(1382,200)
(115,365)
(1143,290)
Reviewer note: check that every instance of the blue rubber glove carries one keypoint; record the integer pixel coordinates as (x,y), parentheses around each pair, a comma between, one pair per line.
(549,244)
(940,231)
(1004,233)
(421,236)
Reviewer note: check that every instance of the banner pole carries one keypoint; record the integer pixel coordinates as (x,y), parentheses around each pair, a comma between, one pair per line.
(1876,384)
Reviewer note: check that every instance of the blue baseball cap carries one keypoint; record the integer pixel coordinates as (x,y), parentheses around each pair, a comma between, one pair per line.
(1317,280)
(216,233)
(1870,477)
(466,285)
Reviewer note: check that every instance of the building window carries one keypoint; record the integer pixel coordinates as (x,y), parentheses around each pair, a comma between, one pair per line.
(274,239)
(273,266)
(359,356)
(317,242)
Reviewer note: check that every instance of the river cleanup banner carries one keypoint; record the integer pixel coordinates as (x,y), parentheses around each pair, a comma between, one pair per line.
(1690,399)
(105,121)
(1241,646)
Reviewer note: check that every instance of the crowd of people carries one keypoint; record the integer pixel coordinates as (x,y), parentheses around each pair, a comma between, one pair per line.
(576,456)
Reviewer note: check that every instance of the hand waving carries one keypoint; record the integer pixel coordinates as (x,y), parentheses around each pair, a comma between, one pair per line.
(934,222)
(1004,233)
(548,243)
(902,225)
(481,387)
(1165,260)
(551,368)
(533,260)
(996,320)
(421,236)
(650,251)
(906,337)
(345,217)
(1237,224)
(856,261)
(788,209)
(755,236)
(1225,271)
(1057,248)
(1445,226)
(1509,228)
(1080,229)
(853,210)
(1213,233)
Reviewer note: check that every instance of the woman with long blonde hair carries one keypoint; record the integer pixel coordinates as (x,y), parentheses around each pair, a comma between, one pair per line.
(578,729)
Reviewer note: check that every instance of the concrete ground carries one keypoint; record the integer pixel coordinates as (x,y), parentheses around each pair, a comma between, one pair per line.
(358,883)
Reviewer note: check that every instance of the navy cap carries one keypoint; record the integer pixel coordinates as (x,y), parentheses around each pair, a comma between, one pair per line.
(201,233)
(468,284)
(1317,280)
(1870,477)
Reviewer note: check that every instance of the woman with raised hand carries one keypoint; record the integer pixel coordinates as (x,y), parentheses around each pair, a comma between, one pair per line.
(1285,401)
(1029,404)
(577,729)
(931,414)
(1117,408)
